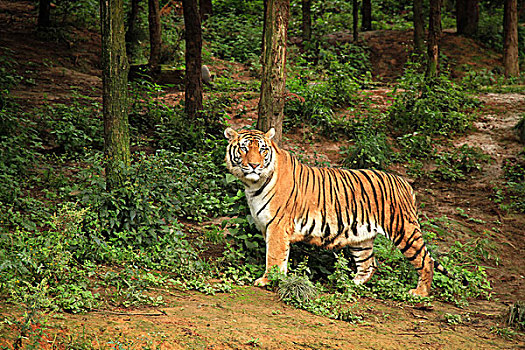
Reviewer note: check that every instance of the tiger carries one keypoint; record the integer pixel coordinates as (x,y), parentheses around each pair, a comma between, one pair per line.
(327,207)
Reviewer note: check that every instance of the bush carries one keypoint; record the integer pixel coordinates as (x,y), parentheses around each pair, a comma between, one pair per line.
(433,107)
(74,127)
(160,188)
(234,37)
(463,160)
(370,150)
(416,146)
(514,173)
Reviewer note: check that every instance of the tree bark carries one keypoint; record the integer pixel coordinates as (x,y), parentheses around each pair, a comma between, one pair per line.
(510,38)
(44,13)
(366,15)
(206,9)
(114,92)
(271,103)
(419,27)
(193,80)
(467,17)
(434,35)
(155,36)
(355,14)
(306,7)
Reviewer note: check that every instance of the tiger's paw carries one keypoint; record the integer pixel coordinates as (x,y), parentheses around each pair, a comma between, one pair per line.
(417,292)
(261,282)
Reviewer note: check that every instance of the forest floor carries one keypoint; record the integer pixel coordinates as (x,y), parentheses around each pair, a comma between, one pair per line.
(253,317)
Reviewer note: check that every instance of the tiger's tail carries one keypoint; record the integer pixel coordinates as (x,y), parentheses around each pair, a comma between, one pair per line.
(444,271)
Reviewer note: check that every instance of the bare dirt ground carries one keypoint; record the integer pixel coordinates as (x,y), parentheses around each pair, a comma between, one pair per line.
(251,317)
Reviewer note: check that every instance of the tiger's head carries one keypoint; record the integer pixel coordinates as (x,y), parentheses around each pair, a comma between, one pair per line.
(250,155)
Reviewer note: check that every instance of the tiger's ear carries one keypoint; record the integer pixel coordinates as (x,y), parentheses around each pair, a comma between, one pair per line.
(270,134)
(230,134)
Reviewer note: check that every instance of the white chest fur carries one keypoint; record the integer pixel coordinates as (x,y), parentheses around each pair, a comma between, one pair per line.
(259,203)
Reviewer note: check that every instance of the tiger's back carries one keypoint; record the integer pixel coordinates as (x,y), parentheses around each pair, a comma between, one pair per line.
(328,207)
(333,207)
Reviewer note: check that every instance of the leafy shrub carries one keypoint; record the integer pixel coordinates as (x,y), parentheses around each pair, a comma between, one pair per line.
(346,60)
(463,160)
(371,150)
(434,107)
(346,70)
(159,188)
(19,156)
(514,173)
(8,76)
(171,128)
(416,146)
(46,262)
(73,127)
(58,264)
(234,37)
(490,28)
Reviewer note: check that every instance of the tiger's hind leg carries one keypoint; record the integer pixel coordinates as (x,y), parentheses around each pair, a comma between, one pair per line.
(413,247)
(364,260)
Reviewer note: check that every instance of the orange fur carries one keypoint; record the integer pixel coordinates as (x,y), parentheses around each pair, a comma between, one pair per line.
(327,207)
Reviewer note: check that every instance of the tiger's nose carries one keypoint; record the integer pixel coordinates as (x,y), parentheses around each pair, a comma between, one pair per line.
(254,165)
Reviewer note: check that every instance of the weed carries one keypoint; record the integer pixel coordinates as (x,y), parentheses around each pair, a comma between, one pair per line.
(453,166)
(516,315)
(416,146)
(504,332)
(296,287)
(254,342)
(453,319)
(514,186)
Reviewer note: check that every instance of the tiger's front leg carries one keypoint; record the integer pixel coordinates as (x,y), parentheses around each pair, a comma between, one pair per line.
(277,251)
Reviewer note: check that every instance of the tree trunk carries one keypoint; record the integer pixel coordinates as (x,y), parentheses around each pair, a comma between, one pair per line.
(192,80)
(206,9)
(434,35)
(510,38)
(155,39)
(366,15)
(307,19)
(114,92)
(355,13)
(467,17)
(271,103)
(131,33)
(44,13)
(419,27)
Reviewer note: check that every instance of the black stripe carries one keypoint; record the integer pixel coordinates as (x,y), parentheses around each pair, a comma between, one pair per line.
(408,242)
(310,231)
(399,232)
(363,260)
(413,257)
(265,204)
(372,186)
(359,249)
(422,262)
(382,188)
